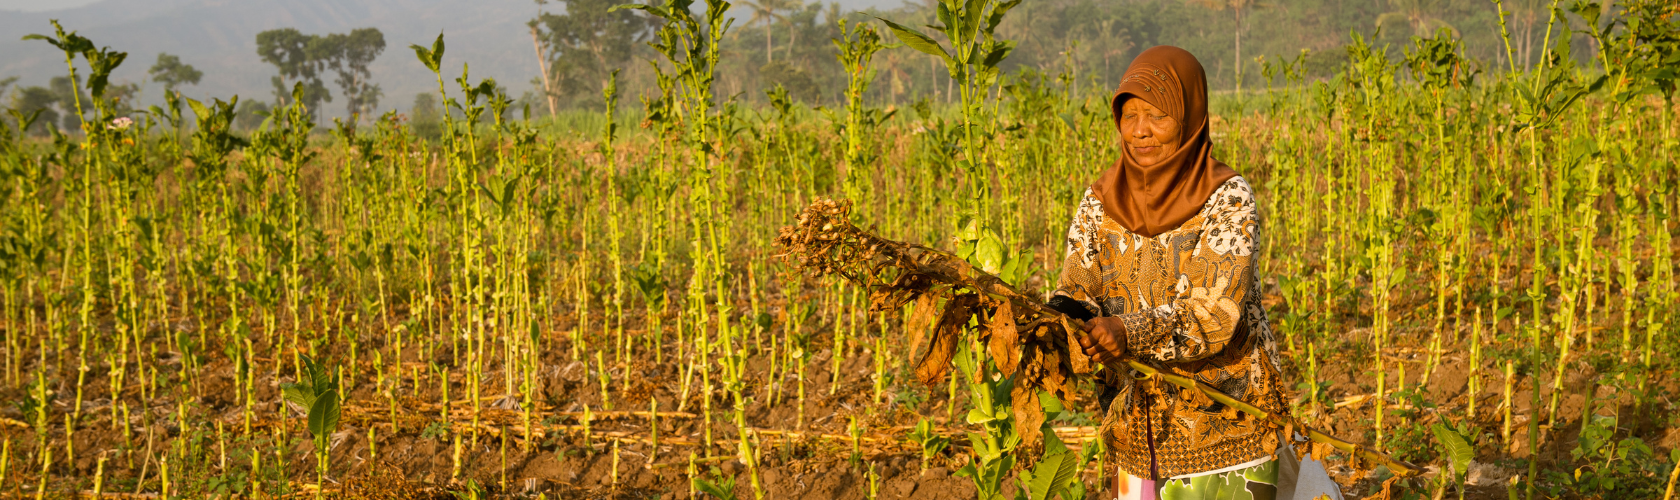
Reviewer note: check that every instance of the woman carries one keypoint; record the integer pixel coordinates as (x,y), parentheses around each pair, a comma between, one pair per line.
(1161,261)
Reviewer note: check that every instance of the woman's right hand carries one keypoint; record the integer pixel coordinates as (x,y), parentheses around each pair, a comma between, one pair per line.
(1104,339)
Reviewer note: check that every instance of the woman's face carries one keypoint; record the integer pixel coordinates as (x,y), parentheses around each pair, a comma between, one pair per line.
(1149,133)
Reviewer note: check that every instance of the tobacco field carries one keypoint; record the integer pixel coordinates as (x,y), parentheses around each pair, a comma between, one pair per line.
(1470,267)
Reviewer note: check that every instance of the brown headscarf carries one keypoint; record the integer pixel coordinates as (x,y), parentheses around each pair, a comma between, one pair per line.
(1156,199)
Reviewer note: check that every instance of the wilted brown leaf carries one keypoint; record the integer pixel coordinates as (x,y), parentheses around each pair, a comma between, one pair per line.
(932,364)
(1029,413)
(921,314)
(1003,344)
(1077,359)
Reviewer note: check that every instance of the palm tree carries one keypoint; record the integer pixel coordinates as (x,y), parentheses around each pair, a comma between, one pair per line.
(1236,7)
(768,11)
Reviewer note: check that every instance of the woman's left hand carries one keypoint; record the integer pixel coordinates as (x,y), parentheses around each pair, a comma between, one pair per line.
(1104,339)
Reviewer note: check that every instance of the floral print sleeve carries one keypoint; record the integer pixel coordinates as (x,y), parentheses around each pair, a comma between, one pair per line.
(1080,283)
(1215,277)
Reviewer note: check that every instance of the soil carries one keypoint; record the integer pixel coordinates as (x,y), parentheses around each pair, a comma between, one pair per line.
(805,454)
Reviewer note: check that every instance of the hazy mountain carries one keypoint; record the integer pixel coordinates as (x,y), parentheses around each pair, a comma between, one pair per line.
(219,38)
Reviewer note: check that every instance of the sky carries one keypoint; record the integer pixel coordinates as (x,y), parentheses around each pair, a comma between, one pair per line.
(51,5)
(218,38)
(42,5)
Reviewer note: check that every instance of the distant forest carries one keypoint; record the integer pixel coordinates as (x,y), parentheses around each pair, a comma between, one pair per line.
(786,42)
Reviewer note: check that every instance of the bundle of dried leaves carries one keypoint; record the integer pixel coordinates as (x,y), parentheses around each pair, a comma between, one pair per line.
(1024,338)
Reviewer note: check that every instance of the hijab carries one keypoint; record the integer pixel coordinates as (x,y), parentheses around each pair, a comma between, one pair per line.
(1158,198)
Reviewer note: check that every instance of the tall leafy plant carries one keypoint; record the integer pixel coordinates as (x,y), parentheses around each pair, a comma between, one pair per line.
(972,58)
(316,390)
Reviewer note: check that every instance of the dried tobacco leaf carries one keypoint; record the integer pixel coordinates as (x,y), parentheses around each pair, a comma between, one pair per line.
(1077,359)
(1003,344)
(932,364)
(1028,411)
(921,314)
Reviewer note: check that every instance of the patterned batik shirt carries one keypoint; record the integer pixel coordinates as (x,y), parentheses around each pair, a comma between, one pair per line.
(1191,304)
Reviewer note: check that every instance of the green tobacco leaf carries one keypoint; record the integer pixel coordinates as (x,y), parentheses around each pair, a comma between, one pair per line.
(424,55)
(102,65)
(1458,451)
(998,54)
(995,475)
(303,395)
(437,51)
(198,109)
(656,11)
(1091,450)
(946,18)
(1051,404)
(323,415)
(1067,472)
(70,43)
(916,40)
(723,489)
(993,20)
(988,254)
(432,57)
(965,471)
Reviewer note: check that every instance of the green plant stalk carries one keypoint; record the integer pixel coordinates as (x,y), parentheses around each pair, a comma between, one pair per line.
(70,439)
(839,352)
(1578,283)
(744,445)
(1663,278)
(857,48)
(581,298)
(880,361)
(614,233)
(1312,378)
(605,380)
(799,418)
(455,457)
(1475,382)
(653,431)
(772,377)
(443,388)
(46,471)
(1506,405)
(5,459)
(588,436)
(1626,231)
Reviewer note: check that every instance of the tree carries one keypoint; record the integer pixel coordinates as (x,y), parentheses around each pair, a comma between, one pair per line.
(586,41)
(6,83)
(170,71)
(349,55)
(296,56)
(31,99)
(56,101)
(122,97)
(1420,17)
(251,114)
(424,117)
(768,11)
(1236,7)
(798,82)
(66,93)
